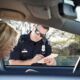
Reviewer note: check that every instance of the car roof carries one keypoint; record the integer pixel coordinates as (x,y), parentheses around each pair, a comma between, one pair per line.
(46,12)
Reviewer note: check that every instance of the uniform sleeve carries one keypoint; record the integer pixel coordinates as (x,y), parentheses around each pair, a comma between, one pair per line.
(48,48)
(15,54)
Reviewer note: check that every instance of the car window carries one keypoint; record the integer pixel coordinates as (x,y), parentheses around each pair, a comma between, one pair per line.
(65,46)
(77,8)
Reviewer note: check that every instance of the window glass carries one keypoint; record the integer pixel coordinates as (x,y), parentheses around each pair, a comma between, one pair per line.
(65,46)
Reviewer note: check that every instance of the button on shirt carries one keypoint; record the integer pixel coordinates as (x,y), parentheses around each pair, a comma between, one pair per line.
(27,49)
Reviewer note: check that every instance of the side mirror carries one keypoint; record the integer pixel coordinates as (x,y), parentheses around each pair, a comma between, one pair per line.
(67,11)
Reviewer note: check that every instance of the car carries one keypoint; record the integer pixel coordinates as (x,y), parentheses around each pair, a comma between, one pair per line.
(59,14)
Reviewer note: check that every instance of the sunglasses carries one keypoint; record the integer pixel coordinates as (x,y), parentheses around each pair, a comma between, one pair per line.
(38,33)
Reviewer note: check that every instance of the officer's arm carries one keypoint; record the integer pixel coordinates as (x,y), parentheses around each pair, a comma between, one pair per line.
(27,62)
(21,62)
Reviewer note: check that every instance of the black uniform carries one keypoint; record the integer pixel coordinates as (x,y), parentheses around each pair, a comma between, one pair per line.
(27,49)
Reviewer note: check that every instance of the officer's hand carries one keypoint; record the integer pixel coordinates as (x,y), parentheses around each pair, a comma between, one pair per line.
(37,58)
(50,61)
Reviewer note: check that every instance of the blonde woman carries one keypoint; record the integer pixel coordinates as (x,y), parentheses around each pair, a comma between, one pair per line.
(8,39)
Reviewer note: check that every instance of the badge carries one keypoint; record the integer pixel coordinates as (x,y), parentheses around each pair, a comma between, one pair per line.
(24,51)
(43,48)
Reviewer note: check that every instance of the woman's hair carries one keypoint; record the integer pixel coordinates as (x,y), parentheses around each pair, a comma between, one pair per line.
(7,38)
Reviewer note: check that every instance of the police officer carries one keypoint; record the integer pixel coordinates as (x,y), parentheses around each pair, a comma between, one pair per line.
(31,48)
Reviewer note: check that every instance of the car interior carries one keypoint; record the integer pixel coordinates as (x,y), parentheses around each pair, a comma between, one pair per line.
(60,16)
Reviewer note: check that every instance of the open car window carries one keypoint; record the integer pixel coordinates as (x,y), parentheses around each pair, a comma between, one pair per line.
(65,46)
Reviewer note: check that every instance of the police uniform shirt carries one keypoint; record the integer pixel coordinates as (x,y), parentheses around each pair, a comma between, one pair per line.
(27,49)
